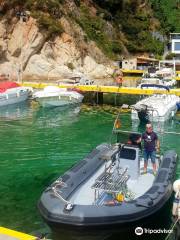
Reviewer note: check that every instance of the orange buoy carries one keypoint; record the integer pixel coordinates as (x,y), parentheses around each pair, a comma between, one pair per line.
(117,124)
(119,79)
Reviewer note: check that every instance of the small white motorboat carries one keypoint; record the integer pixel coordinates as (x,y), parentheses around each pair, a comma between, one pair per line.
(52,96)
(166,73)
(12,93)
(155,108)
(152,81)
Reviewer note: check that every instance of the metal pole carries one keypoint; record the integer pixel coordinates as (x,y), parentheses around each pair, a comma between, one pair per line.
(23,16)
(174,66)
(21,64)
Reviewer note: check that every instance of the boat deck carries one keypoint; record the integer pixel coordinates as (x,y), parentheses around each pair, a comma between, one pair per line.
(85,195)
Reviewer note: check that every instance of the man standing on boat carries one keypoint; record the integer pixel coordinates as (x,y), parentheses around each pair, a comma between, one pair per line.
(151,146)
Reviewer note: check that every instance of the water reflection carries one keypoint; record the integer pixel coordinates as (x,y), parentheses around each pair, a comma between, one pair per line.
(157,126)
(16,111)
(56,117)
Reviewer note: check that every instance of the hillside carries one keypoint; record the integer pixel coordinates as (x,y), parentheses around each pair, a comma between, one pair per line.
(82,36)
(168,13)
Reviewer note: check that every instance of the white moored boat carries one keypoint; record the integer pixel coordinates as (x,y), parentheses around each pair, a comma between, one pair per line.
(12,93)
(155,108)
(151,80)
(52,96)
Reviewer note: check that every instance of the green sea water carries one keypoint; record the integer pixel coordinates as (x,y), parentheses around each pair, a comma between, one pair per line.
(37,145)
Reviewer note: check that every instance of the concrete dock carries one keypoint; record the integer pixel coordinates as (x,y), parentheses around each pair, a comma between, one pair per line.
(7,234)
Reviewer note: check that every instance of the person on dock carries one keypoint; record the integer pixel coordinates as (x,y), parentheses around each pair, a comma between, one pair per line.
(151,146)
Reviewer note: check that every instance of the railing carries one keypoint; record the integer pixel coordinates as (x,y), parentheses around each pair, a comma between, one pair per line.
(54,187)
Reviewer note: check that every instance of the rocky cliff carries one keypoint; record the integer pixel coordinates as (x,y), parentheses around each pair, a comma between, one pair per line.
(65,38)
(24,45)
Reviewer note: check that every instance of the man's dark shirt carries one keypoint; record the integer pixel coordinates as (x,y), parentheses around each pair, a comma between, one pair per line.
(150,141)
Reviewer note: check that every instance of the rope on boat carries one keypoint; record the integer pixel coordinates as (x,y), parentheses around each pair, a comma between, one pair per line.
(176,206)
(172,229)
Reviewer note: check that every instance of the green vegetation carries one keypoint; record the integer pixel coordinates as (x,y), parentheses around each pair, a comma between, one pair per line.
(47,13)
(94,27)
(70,65)
(46,22)
(135,23)
(115,25)
(168,12)
(170,56)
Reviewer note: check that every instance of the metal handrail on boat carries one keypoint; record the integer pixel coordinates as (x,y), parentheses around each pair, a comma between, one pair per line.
(108,183)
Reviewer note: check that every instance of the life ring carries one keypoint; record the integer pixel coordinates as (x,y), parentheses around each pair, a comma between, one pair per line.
(119,79)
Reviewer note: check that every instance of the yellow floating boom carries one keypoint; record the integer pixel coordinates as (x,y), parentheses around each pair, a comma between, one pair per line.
(139,73)
(107,89)
(11,234)
(134,71)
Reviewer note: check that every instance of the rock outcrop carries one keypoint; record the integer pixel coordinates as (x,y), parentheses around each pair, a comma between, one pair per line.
(25,47)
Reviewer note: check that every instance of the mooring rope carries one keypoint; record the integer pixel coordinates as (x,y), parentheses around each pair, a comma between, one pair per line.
(177,196)
(172,229)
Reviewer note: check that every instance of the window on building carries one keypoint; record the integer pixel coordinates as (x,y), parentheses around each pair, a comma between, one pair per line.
(177,46)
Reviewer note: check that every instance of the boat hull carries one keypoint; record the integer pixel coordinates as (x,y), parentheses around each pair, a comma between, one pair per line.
(157,108)
(55,214)
(125,226)
(10,98)
(121,221)
(155,118)
(57,102)
(160,220)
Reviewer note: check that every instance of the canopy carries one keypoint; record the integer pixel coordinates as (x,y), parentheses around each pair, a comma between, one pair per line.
(155,85)
(6,85)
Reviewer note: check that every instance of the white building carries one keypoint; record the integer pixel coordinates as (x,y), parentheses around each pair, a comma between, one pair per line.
(139,63)
(174,47)
(130,64)
(175,43)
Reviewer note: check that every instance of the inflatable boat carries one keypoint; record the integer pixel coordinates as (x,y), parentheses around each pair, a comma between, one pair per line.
(108,187)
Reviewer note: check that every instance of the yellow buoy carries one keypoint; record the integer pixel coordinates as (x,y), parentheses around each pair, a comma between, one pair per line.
(120,197)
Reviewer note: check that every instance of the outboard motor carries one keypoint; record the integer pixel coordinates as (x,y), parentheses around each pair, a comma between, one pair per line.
(143,116)
(178,106)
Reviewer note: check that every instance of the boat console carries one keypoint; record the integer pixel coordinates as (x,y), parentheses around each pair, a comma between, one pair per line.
(129,157)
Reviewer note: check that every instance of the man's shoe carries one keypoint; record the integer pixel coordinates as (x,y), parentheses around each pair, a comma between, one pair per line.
(154,173)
